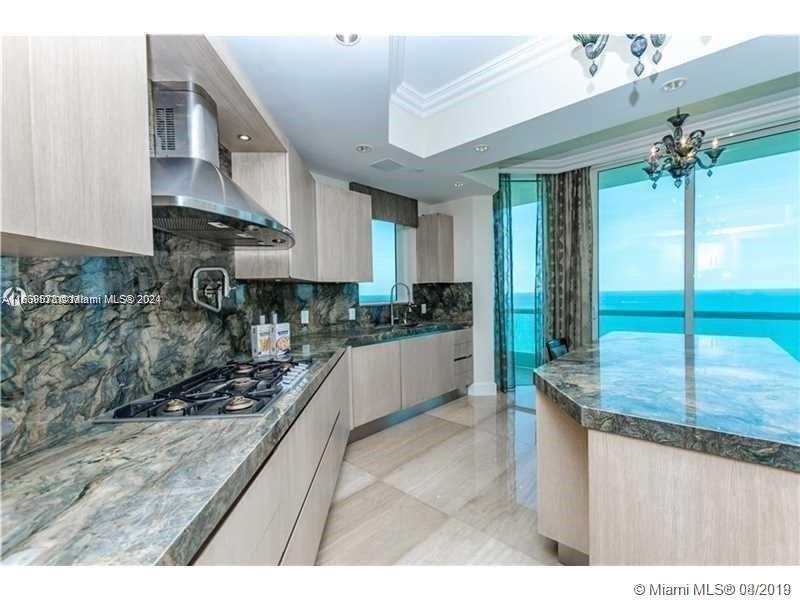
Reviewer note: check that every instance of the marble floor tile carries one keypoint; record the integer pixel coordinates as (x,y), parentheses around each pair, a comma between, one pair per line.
(470,410)
(450,474)
(506,510)
(351,480)
(376,526)
(456,543)
(518,426)
(383,452)
(523,396)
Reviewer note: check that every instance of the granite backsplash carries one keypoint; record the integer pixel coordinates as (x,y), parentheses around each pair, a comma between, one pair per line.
(63,364)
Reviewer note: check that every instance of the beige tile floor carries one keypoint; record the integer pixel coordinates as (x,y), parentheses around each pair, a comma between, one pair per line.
(453,486)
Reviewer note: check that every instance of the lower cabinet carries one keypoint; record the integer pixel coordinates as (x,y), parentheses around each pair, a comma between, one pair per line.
(427,367)
(280,517)
(462,358)
(377,386)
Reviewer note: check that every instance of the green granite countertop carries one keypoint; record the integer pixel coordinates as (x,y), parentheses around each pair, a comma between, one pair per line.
(731,396)
(151,493)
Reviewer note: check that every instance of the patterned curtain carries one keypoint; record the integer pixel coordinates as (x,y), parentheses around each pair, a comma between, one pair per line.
(570,256)
(503,288)
(539,282)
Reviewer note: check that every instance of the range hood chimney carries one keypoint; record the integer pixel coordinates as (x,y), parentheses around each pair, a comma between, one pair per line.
(191,196)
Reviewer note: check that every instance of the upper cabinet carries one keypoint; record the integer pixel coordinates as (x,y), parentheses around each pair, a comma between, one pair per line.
(75,153)
(344,234)
(282,184)
(435,249)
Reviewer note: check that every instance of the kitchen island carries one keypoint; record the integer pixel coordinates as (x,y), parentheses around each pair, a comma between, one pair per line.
(671,449)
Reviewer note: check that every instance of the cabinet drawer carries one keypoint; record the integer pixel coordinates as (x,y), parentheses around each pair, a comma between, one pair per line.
(304,543)
(256,530)
(462,336)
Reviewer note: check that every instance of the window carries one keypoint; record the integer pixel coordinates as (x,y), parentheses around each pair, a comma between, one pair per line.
(747,248)
(640,249)
(745,276)
(524,207)
(384,265)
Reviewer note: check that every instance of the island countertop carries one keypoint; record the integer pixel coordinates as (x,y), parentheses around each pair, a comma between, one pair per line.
(735,397)
(144,493)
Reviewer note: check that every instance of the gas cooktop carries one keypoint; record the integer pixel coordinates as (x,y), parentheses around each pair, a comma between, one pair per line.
(239,389)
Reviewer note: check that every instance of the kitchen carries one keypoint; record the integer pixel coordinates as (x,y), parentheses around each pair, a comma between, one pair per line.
(207,361)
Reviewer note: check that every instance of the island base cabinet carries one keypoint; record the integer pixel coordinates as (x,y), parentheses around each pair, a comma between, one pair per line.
(651,504)
(281,514)
(563,476)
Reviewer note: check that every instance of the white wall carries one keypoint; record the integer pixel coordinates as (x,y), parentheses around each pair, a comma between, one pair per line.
(473,241)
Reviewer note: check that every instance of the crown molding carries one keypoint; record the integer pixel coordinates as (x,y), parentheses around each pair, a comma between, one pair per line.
(743,120)
(524,57)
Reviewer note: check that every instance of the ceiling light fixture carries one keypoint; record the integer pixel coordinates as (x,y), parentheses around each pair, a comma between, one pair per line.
(458,185)
(363,148)
(481,148)
(674,84)
(594,44)
(679,154)
(244,137)
(348,39)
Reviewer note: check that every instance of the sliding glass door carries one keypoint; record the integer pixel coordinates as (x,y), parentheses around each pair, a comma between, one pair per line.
(737,272)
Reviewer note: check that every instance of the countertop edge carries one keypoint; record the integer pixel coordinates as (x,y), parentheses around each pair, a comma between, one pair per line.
(768,453)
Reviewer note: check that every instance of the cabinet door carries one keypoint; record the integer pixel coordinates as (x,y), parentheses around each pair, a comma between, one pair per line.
(435,262)
(77,178)
(426,367)
(264,176)
(303,218)
(344,235)
(377,390)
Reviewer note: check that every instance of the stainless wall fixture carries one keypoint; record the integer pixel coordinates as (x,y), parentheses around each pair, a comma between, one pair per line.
(679,154)
(191,196)
(211,294)
(594,44)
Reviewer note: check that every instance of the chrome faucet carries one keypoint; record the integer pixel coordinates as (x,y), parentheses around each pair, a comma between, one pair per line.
(212,292)
(393,296)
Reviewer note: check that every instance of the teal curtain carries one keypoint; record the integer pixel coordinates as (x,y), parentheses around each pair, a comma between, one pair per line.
(503,288)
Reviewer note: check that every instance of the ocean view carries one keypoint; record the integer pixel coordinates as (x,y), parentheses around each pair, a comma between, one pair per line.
(753,313)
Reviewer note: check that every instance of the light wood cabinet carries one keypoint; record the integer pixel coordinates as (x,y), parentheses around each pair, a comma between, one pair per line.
(281,183)
(462,358)
(377,387)
(427,367)
(435,262)
(75,154)
(280,517)
(344,234)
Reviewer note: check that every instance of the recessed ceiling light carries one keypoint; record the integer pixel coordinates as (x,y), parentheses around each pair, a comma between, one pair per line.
(244,137)
(218,225)
(458,184)
(481,148)
(363,148)
(348,39)
(674,84)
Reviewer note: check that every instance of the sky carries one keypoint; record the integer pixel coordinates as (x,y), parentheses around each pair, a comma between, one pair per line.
(383,261)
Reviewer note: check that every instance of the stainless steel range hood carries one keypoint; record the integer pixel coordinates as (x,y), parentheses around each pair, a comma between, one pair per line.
(191,196)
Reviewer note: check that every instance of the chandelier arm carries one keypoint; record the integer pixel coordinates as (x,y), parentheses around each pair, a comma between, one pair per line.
(698,158)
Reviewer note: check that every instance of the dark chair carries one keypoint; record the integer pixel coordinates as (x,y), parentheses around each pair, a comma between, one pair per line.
(557,347)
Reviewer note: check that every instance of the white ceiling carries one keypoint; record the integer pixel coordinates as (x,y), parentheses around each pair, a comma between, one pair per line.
(425,102)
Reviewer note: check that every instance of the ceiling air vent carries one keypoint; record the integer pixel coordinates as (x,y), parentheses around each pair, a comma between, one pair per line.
(387,164)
